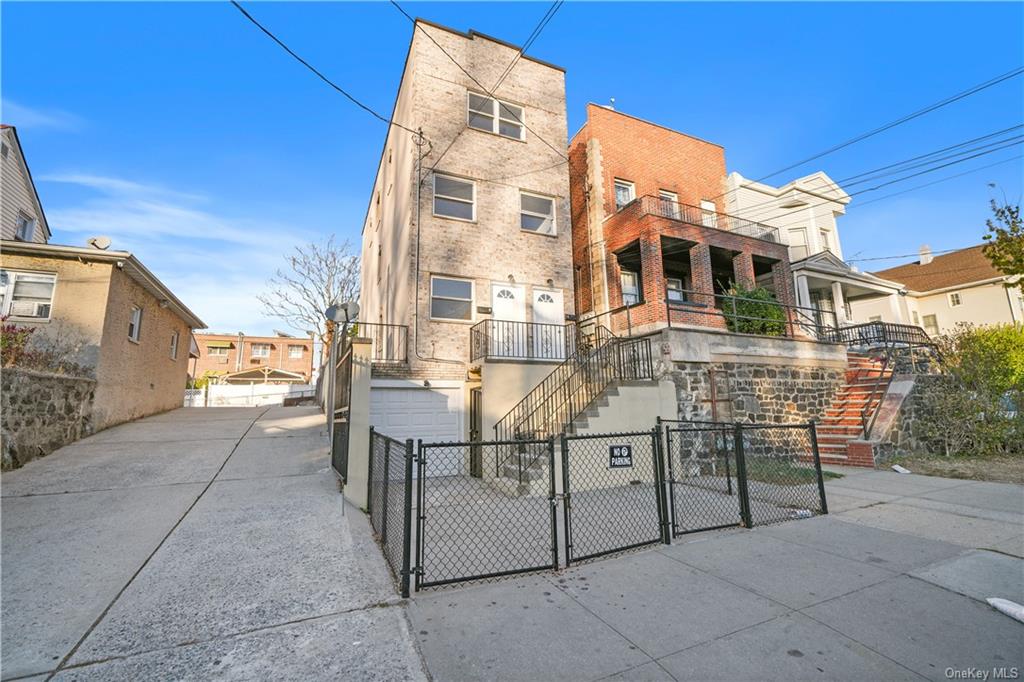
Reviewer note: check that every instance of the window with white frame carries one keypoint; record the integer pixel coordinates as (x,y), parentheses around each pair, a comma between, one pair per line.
(174,346)
(931,324)
(537,213)
(955,299)
(625,192)
(217,351)
(261,350)
(135,324)
(454,198)
(674,289)
(495,116)
(630,288)
(826,240)
(26,294)
(669,203)
(797,243)
(708,213)
(295,352)
(451,299)
(917,318)
(25,229)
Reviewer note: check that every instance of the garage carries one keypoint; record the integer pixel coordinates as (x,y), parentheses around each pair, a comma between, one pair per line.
(402,410)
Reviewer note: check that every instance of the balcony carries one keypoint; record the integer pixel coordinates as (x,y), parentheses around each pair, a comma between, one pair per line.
(700,217)
(389,342)
(511,340)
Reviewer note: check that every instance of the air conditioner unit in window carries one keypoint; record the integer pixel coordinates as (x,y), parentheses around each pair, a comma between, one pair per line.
(30,309)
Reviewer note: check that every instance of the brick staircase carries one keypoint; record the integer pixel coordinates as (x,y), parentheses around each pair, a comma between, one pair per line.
(842,420)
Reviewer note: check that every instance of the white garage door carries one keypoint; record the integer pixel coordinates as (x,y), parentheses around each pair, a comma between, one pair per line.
(430,414)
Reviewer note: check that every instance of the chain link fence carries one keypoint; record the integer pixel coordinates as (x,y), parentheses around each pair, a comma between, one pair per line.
(614,489)
(783,472)
(389,502)
(480,522)
(704,490)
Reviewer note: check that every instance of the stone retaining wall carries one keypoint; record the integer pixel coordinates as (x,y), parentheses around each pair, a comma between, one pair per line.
(42,412)
(907,435)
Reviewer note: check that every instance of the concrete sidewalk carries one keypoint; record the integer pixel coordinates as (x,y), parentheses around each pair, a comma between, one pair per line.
(205,542)
(890,586)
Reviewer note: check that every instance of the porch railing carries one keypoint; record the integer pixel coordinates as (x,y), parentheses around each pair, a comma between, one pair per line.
(881,333)
(521,340)
(701,217)
(390,342)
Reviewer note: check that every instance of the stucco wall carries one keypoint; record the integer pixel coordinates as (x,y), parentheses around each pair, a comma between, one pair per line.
(138,379)
(981,305)
(504,384)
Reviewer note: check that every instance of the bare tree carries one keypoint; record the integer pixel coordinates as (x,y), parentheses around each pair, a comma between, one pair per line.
(318,274)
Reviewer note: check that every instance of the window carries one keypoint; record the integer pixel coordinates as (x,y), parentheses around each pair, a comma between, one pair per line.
(26,294)
(451,299)
(630,288)
(537,213)
(454,198)
(931,324)
(875,318)
(495,116)
(826,240)
(708,213)
(669,203)
(917,318)
(135,324)
(217,351)
(797,243)
(174,346)
(625,192)
(545,298)
(261,350)
(955,299)
(26,228)
(674,289)
(295,352)
(380,260)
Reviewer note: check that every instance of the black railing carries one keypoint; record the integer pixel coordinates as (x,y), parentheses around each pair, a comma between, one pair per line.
(881,334)
(747,315)
(521,340)
(390,342)
(701,217)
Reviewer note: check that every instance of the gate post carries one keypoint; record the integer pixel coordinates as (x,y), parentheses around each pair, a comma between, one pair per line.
(566,501)
(666,454)
(420,511)
(813,430)
(407,519)
(741,476)
(369,478)
(387,483)
(553,503)
(659,481)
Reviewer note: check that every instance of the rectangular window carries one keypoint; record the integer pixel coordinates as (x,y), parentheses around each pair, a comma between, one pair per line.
(26,294)
(917,318)
(495,116)
(451,299)
(797,243)
(295,352)
(454,198)
(674,289)
(174,346)
(669,203)
(630,288)
(261,350)
(135,324)
(931,324)
(708,213)
(826,240)
(217,352)
(955,299)
(625,192)
(26,228)
(537,213)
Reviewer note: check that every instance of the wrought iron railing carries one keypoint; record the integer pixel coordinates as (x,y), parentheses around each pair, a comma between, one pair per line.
(747,315)
(521,340)
(390,342)
(695,215)
(880,334)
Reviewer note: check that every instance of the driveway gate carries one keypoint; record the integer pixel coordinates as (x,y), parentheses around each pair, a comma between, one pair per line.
(614,493)
(487,521)
(702,474)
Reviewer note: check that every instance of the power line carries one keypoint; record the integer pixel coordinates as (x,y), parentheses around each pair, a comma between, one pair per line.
(537,30)
(936,182)
(320,75)
(471,77)
(904,255)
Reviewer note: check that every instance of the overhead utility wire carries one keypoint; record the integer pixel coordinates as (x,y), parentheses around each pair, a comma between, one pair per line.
(537,30)
(936,182)
(320,75)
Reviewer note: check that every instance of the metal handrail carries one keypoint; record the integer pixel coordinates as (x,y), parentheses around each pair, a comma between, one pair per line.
(869,333)
(813,321)
(513,339)
(695,215)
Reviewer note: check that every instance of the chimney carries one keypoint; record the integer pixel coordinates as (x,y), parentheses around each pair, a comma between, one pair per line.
(925,254)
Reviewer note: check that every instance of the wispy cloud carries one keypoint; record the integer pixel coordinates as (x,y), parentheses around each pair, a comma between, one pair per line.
(26,118)
(216,264)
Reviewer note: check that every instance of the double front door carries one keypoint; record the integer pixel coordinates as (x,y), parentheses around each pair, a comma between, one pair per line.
(512,337)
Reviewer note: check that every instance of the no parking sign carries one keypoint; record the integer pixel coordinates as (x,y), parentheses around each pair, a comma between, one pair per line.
(620,456)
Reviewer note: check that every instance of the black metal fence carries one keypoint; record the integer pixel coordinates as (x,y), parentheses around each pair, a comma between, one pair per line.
(521,340)
(389,501)
(339,402)
(723,474)
(614,493)
(469,527)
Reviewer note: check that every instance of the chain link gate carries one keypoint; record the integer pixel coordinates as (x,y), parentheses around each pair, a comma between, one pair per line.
(613,493)
(389,502)
(702,474)
(495,520)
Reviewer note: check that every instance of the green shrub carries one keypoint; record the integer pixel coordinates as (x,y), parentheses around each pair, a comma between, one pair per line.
(754,311)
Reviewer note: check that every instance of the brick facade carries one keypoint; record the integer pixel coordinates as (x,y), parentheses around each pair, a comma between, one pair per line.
(238,356)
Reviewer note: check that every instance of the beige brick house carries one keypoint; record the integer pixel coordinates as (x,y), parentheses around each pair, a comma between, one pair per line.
(467,228)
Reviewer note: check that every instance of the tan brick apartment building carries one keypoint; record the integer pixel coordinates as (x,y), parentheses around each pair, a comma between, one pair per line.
(649,227)
(240,358)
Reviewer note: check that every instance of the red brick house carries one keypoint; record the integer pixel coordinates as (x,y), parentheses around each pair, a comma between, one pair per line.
(239,358)
(651,241)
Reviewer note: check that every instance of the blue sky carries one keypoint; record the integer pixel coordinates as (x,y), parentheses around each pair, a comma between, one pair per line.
(186,135)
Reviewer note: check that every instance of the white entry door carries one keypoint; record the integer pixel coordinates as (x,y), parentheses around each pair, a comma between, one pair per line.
(508,313)
(549,316)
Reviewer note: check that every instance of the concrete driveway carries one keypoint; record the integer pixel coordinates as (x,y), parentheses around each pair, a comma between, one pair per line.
(201,543)
(890,586)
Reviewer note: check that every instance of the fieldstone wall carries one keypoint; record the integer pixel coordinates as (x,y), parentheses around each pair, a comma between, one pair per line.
(757,393)
(42,412)
(907,435)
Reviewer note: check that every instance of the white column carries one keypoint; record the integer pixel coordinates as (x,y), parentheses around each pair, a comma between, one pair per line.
(803,292)
(839,304)
(894,308)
